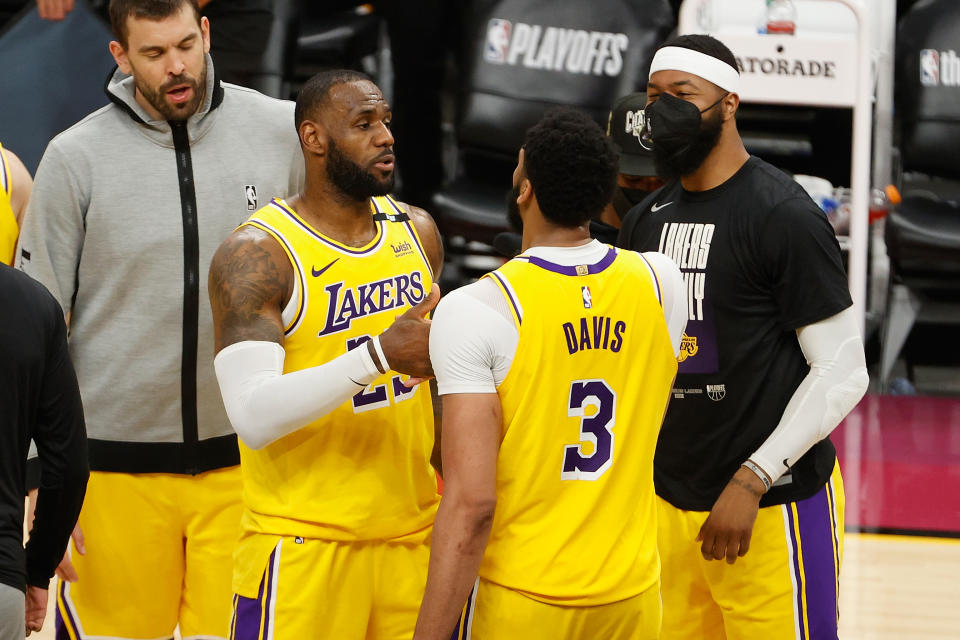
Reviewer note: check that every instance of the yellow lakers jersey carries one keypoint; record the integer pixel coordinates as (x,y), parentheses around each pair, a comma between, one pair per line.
(363,471)
(575,522)
(8,221)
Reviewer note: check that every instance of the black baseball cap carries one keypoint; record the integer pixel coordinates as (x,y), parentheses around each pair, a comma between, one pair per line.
(623,127)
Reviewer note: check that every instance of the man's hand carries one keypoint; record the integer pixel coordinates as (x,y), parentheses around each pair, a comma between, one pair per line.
(36,605)
(406,343)
(65,570)
(729,527)
(55,10)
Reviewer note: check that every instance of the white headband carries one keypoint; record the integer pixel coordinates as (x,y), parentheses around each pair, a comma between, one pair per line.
(699,64)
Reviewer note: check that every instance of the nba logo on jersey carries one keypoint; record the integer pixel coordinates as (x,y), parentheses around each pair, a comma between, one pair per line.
(251,191)
(498,39)
(587,298)
(929,67)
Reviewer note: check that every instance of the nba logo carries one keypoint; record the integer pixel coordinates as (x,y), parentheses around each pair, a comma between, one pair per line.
(251,192)
(498,39)
(587,298)
(929,67)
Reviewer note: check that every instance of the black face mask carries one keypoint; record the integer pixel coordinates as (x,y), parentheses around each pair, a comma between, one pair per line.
(682,138)
(624,199)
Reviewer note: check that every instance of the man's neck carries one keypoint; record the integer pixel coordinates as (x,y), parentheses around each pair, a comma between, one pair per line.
(333,213)
(544,234)
(722,164)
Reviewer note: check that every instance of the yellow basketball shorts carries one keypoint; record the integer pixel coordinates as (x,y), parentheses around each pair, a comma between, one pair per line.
(311,588)
(784,587)
(494,612)
(159,553)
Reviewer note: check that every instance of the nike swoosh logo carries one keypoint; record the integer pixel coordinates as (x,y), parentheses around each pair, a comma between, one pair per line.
(318,272)
(659,206)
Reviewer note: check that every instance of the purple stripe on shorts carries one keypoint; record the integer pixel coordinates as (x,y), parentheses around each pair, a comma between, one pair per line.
(62,623)
(468,611)
(815,518)
(248,611)
(796,572)
(271,592)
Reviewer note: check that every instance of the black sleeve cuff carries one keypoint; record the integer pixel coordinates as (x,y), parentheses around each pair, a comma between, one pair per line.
(33,474)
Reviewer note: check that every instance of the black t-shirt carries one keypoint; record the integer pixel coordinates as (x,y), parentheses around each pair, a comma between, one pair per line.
(39,399)
(760,261)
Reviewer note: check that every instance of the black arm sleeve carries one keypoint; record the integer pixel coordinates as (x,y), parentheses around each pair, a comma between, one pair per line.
(801,258)
(61,439)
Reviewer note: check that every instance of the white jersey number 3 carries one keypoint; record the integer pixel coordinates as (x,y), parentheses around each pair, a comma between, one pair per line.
(596,429)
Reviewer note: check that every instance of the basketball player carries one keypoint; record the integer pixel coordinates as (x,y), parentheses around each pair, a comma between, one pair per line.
(636,175)
(771,361)
(339,494)
(15,187)
(128,208)
(555,371)
(39,401)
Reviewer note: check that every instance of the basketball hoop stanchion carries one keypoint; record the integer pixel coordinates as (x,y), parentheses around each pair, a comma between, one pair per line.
(842,77)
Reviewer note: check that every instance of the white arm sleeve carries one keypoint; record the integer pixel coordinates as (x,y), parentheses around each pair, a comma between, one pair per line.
(673,295)
(264,404)
(472,344)
(836,382)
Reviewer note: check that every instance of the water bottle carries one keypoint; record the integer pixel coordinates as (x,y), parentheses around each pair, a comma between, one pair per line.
(882,201)
(781,17)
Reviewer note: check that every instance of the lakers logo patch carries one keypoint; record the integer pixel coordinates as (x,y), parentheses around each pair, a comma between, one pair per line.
(688,347)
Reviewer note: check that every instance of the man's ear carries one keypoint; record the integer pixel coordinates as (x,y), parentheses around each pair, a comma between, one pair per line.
(120,57)
(313,137)
(526,191)
(205,33)
(730,104)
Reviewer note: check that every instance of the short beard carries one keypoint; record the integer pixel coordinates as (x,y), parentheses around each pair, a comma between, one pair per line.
(175,112)
(351,179)
(513,209)
(676,164)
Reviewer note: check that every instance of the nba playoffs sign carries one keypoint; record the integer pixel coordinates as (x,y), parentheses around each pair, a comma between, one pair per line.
(551,48)
(939,68)
(813,70)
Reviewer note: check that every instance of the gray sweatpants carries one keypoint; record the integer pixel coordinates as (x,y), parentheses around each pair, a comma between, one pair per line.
(12,616)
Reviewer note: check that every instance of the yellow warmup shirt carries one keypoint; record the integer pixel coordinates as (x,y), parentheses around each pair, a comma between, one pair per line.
(583,401)
(8,221)
(363,471)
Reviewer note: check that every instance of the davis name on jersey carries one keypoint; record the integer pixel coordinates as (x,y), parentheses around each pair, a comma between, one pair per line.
(344,305)
(594,333)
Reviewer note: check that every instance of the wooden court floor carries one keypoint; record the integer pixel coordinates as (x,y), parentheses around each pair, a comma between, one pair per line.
(891,588)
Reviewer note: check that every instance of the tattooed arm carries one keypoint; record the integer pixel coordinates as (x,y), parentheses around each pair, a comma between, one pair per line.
(251,280)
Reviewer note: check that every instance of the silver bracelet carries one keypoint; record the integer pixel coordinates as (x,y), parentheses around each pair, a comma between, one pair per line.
(750,464)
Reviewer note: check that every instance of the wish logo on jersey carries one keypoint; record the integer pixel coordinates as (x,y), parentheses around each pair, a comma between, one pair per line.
(346,304)
(688,244)
(555,48)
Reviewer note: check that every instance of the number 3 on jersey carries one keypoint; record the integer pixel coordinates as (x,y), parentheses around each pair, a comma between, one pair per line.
(596,429)
(375,397)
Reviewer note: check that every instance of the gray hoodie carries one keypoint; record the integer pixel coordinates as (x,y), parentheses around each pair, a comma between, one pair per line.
(125,216)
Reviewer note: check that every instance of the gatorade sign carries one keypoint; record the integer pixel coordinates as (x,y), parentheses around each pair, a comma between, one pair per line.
(559,49)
